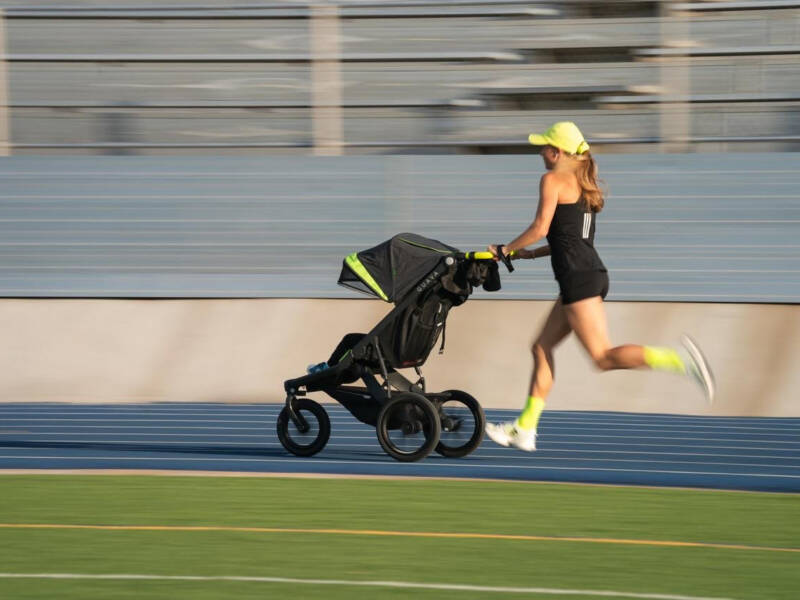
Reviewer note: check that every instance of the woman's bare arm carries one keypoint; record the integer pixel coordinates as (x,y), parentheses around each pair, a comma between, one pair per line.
(548,200)
(535,253)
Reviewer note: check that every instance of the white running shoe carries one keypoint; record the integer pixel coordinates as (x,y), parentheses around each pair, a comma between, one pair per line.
(698,368)
(507,434)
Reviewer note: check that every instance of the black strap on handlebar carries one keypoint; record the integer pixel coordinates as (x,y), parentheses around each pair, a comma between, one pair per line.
(506,259)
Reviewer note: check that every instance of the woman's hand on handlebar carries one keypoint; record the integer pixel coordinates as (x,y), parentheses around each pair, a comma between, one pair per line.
(517,254)
(495,249)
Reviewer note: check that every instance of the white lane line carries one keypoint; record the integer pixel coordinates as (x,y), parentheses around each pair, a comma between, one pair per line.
(394,464)
(138,434)
(190,448)
(337,442)
(141,427)
(338,435)
(686,446)
(657,453)
(274,409)
(106,415)
(261,420)
(550,442)
(547,441)
(634,425)
(548,435)
(346,423)
(544,426)
(476,458)
(704,422)
(351,427)
(645,461)
(767,424)
(647,416)
(482,452)
(628,438)
(141,413)
(133,420)
(346,418)
(360,583)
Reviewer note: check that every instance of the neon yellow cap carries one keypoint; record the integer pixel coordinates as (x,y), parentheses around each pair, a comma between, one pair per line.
(564,135)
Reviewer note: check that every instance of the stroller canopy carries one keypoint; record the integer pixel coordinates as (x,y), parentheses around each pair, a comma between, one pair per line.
(391,269)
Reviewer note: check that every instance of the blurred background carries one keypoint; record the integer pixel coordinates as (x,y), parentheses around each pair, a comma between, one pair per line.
(180,182)
(249,77)
(200,149)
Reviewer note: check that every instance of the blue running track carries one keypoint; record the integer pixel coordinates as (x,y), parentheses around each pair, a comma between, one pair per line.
(589,447)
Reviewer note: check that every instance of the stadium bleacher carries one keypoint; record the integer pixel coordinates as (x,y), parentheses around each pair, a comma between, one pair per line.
(416,76)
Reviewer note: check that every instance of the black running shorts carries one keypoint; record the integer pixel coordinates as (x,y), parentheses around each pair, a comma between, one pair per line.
(579,285)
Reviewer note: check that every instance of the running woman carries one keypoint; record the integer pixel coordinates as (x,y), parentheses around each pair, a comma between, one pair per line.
(569,200)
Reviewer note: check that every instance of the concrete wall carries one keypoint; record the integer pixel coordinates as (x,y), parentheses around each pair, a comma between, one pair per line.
(241,351)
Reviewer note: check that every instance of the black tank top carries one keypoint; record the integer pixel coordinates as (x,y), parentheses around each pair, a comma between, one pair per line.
(571,239)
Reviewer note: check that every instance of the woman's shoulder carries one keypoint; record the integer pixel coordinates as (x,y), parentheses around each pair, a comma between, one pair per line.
(559,177)
(565,184)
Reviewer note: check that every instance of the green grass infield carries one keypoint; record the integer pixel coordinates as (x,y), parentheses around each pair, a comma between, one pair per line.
(346,538)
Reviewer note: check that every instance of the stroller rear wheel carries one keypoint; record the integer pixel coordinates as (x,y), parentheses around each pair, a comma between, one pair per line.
(304,443)
(463,423)
(408,427)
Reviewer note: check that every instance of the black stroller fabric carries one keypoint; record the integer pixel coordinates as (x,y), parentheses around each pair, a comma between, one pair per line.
(395,266)
(418,328)
(401,266)
(345,346)
(461,280)
(412,335)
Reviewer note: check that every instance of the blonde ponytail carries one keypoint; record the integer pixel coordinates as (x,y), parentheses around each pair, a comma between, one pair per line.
(586,172)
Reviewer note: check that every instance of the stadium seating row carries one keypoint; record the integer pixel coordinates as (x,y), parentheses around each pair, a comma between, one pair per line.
(456,75)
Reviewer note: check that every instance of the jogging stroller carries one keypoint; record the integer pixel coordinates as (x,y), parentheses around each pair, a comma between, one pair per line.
(424,278)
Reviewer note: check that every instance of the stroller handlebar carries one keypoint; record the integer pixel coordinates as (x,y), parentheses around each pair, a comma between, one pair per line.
(478,255)
(486,255)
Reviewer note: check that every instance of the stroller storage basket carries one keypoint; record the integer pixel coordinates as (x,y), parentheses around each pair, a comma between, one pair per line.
(418,327)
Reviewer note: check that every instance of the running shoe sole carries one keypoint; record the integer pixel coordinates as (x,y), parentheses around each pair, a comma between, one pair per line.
(526,445)
(703,371)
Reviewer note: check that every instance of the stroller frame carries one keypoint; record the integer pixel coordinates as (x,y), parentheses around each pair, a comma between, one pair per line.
(413,409)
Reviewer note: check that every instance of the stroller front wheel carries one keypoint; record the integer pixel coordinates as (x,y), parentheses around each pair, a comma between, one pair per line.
(304,443)
(408,427)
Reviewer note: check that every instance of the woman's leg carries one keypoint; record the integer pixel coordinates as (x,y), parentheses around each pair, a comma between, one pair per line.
(587,318)
(554,330)
(521,433)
